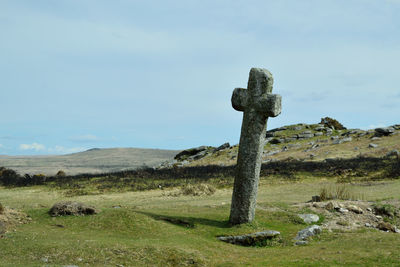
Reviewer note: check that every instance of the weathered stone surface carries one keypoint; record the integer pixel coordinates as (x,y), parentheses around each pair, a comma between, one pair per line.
(223,146)
(355,209)
(71,208)
(385,131)
(250,239)
(385,226)
(309,218)
(318,134)
(258,104)
(393,153)
(308,232)
(372,145)
(189,152)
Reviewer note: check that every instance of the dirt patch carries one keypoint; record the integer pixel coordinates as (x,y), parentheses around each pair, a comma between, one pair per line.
(11,218)
(71,208)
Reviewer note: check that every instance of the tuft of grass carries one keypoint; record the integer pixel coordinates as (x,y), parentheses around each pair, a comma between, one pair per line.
(338,191)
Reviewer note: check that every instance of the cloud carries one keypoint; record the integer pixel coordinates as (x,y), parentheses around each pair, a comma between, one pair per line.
(84,138)
(33,146)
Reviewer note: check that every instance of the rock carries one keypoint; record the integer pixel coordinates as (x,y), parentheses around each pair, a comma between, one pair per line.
(355,209)
(369,209)
(277,141)
(250,239)
(318,134)
(319,128)
(309,218)
(290,139)
(337,141)
(385,131)
(379,217)
(341,210)
(393,153)
(2,227)
(71,208)
(316,199)
(375,138)
(347,139)
(385,226)
(396,127)
(305,135)
(222,147)
(308,232)
(334,137)
(298,128)
(190,152)
(329,206)
(368,225)
(301,243)
(371,145)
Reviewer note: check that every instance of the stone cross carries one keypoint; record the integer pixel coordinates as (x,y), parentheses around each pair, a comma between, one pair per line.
(258,104)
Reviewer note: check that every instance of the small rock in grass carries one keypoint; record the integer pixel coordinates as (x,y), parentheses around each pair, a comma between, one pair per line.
(385,226)
(308,232)
(372,145)
(309,218)
(355,209)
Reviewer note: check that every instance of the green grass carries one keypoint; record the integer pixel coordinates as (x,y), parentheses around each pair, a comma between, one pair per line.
(137,234)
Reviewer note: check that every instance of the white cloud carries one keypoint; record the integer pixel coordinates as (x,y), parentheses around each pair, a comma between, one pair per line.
(84,138)
(33,146)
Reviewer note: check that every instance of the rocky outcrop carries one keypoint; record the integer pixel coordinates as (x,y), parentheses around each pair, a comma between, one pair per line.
(71,208)
(303,235)
(254,239)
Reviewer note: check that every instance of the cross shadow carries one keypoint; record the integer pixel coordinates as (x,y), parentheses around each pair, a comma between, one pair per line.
(187,222)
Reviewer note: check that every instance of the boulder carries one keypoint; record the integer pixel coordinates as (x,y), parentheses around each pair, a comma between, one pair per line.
(304,234)
(385,226)
(250,239)
(71,208)
(384,131)
(393,153)
(372,145)
(309,218)
(355,209)
(223,146)
(190,152)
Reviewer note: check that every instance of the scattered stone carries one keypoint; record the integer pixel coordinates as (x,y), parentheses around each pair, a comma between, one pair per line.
(298,128)
(222,147)
(305,135)
(318,134)
(368,225)
(301,243)
(330,206)
(375,138)
(309,218)
(372,145)
(259,238)
(393,153)
(385,131)
(192,153)
(71,208)
(385,226)
(337,142)
(379,217)
(304,234)
(355,209)
(316,199)
(347,139)
(334,137)
(369,209)
(319,128)
(341,210)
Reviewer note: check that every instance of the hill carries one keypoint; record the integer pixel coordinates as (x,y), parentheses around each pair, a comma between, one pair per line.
(91,161)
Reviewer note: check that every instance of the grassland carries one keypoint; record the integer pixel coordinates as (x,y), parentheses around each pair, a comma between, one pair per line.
(145,220)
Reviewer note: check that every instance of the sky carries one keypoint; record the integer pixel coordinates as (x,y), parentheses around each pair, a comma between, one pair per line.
(79,74)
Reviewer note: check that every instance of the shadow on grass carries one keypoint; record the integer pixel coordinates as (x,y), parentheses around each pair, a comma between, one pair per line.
(187,222)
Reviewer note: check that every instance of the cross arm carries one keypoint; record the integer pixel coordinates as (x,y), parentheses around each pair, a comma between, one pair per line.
(239,99)
(269,104)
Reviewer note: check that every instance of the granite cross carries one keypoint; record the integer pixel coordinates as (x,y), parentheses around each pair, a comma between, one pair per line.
(258,104)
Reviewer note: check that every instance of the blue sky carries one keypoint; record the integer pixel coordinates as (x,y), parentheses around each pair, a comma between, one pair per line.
(78,74)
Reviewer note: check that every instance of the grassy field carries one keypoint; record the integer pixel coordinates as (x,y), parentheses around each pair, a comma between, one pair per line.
(131,230)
